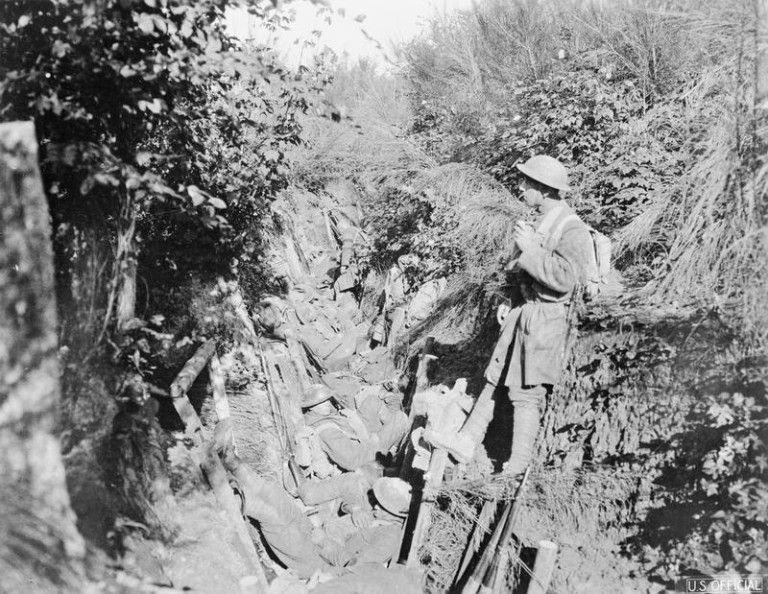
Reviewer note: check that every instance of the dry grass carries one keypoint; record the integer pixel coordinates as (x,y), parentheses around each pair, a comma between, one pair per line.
(575,509)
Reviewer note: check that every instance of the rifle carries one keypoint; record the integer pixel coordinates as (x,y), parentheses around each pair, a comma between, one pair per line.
(278,417)
(484,576)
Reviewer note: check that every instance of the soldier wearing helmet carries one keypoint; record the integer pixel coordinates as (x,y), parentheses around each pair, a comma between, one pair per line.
(550,261)
(352,437)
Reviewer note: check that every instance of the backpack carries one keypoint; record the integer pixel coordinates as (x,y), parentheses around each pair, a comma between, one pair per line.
(599,266)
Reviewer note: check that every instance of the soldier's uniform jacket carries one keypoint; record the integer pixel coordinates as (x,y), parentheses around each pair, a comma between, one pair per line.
(533,335)
(343,438)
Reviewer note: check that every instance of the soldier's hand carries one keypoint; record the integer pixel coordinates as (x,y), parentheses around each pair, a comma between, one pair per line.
(362,518)
(502,312)
(524,235)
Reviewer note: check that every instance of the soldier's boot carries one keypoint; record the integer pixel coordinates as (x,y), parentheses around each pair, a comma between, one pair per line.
(462,444)
(524,431)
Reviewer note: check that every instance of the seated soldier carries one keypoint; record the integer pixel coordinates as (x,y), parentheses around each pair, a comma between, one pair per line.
(348,437)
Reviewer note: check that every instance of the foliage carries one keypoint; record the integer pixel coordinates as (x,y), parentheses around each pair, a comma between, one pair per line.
(619,153)
(711,516)
(162,142)
(154,127)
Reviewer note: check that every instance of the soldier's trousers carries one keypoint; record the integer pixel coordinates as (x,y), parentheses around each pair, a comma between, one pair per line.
(527,404)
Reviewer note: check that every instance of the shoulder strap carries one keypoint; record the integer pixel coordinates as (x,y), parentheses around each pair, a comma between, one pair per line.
(351,430)
(548,220)
(557,232)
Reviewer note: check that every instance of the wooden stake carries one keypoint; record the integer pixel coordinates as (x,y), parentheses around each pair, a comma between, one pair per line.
(543,567)
(220,401)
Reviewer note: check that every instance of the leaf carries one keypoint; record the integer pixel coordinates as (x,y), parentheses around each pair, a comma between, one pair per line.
(217,203)
(157,105)
(60,48)
(23,21)
(127,71)
(197,195)
(146,24)
(87,185)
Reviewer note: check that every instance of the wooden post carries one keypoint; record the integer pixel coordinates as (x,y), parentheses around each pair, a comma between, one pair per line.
(421,380)
(419,384)
(432,481)
(220,402)
(34,503)
(543,567)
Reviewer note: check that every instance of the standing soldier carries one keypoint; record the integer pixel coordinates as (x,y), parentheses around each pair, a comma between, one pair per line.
(552,259)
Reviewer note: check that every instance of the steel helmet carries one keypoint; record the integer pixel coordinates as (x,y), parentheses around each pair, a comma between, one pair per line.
(393,494)
(546,170)
(316,394)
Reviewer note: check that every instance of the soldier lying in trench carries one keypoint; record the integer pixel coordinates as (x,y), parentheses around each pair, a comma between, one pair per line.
(348,437)
(295,540)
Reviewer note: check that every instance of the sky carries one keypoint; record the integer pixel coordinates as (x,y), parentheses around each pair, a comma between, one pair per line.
(359,28)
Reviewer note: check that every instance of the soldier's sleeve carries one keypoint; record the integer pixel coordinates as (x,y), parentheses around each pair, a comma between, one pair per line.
(564,267)
(345,452)
(345,487)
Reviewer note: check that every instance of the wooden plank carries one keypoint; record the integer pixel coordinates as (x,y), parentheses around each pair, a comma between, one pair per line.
(543,567)
(432,481)
(192,369)
(192,424)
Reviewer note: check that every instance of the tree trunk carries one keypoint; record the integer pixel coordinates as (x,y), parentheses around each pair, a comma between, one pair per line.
(40,547)
(125,261)
(126,296)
